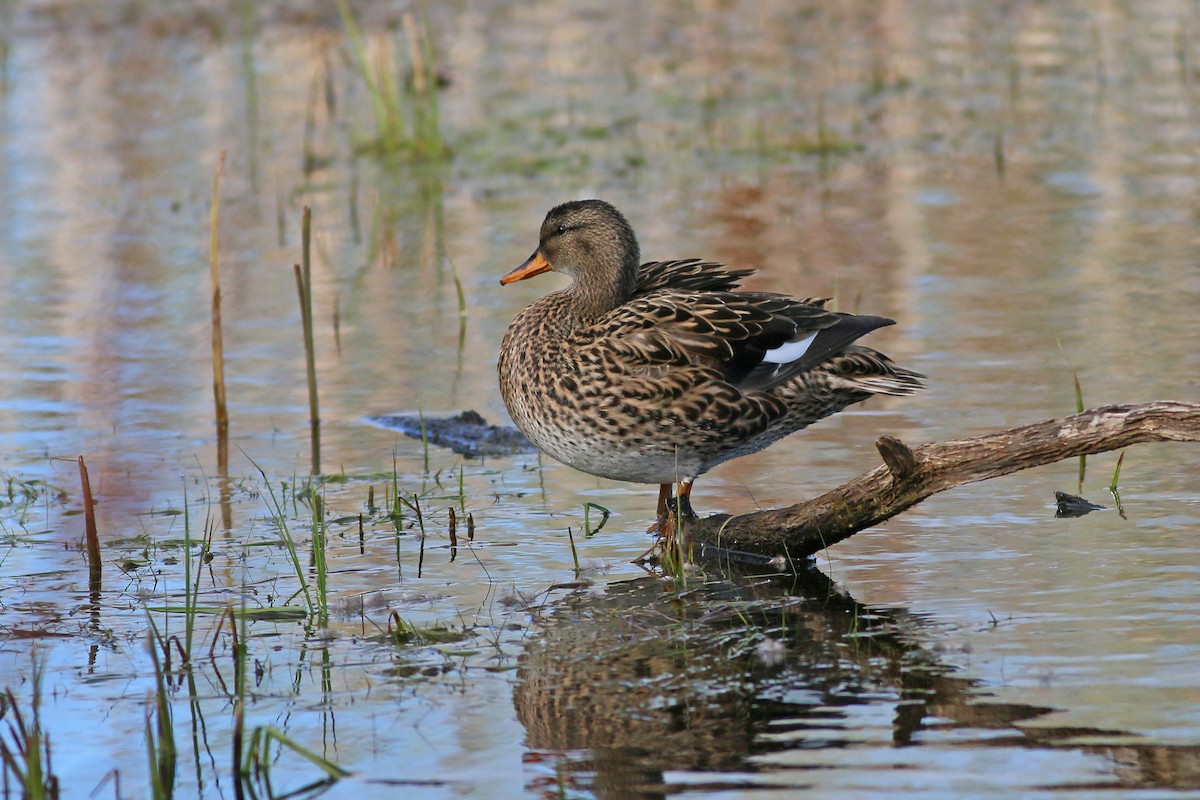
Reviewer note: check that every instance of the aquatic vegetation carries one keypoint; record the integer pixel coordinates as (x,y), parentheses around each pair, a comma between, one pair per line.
(25,746)
(91,534)
(21,495)
(260,759)
(218,341)
(161,750)
(404,106)
(303,272)
(588,530)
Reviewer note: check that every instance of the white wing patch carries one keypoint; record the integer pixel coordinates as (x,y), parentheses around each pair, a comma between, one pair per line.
(789,351)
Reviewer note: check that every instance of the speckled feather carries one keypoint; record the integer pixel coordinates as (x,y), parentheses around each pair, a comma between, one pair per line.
(656,373)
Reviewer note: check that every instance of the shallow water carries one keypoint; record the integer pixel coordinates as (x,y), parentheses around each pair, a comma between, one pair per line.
(1013,183)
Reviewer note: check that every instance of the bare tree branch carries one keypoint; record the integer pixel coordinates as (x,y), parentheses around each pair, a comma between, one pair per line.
(908,476)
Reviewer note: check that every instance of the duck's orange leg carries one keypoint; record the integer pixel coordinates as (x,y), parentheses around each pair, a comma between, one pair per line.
(660,518)
(671,513)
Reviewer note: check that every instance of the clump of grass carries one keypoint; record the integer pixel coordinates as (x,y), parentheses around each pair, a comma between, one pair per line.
(405,108)
(191,589)
(674,554)
(25,751)
(288,541)
(19,495)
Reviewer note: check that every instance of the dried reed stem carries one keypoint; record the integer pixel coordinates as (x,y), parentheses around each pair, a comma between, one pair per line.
(91,534)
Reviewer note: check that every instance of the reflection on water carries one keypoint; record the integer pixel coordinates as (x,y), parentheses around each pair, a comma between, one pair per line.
(1014,183)
(787,681)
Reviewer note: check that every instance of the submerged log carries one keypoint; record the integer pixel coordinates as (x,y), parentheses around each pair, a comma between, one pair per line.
(909,475)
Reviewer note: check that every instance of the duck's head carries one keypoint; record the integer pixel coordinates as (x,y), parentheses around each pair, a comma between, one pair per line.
(593,243)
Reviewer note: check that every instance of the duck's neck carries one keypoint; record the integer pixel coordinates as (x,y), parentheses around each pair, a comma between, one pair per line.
(596,294)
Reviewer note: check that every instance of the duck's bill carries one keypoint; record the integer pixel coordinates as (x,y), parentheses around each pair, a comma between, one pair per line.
(536,264)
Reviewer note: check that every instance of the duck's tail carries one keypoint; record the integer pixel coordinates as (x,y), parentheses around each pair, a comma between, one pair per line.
(861,369)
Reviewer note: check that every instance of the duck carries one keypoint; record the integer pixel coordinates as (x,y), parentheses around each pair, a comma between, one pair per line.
(657,372)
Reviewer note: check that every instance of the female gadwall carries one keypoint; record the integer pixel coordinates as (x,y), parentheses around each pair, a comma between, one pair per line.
(658,373)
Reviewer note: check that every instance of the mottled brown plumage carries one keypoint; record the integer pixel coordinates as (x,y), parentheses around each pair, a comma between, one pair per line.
(657,373)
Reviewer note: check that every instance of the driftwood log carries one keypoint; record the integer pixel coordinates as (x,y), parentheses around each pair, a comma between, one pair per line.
(908,476)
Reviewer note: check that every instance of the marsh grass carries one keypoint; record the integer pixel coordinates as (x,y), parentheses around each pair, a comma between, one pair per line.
(218,346)
(673,557)
(20,495)
(574,551)
(191,588)
(267,614)
(424,438)
(176,647)
(263,759)
(161,751)
(675,551)
(319,559)
(402,632)
(25,747)
(263,752)
(588,530)
(1112,485)
(288,541)
(415,507)
(404,96)
(303,272)
(1079,410)
(462,492)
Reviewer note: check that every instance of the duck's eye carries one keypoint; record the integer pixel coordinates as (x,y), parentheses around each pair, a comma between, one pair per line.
(560,230)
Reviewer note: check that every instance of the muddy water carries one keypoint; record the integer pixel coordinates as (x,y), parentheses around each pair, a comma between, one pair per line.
(1015,184)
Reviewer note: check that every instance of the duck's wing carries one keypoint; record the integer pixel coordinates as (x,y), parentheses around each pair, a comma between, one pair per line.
(688,274)
(754,340)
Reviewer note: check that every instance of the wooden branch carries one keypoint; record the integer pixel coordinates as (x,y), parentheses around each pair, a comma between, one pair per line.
(908,476)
